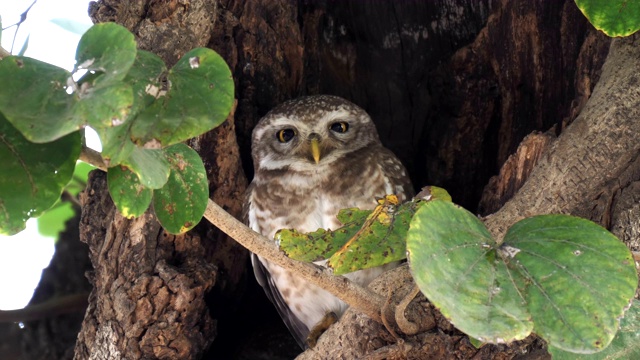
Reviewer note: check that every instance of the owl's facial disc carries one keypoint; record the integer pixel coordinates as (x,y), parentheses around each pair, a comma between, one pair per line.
(311,133)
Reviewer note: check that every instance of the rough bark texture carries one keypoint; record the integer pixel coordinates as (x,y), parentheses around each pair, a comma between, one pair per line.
(453,87)
(514,172)
(148,286)
(595,159)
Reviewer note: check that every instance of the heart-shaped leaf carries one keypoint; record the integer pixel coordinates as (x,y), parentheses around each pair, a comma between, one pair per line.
(380,240)
(44,103)
(180,204)
(453,260)
(144,79)
(567,278)
(199,97)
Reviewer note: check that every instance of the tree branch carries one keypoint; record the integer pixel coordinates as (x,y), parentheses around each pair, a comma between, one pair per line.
(52,307)
(358,297)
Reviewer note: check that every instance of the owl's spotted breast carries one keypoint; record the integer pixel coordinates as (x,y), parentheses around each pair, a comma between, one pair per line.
(312,157)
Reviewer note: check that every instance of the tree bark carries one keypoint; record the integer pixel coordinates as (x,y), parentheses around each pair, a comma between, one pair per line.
(594,162)
(453,87)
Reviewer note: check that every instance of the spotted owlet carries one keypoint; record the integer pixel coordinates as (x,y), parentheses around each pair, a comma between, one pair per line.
(312,157)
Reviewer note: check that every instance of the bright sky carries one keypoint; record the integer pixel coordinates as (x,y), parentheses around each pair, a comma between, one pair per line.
(23,256)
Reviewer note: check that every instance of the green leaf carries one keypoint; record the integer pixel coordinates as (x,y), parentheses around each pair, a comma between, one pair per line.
(150,165)
(579,278)
(34,100)
(107,48)
(380,240)
(199,98)
(32,176)
(144,78)
(180,204)
(103,106)
(130,197)
(43,110)
(73,26)
(625,344)
(563,277)
(613,17)
(368,238)
(452,257)
(321,244)
(52,222)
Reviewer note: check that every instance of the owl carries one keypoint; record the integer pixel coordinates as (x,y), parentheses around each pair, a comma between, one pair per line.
(312,157)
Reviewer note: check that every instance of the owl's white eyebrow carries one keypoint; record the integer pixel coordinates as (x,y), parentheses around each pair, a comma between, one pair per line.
(281,121)
(338,114)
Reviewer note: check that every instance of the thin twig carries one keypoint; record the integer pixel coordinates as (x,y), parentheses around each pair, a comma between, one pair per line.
(52,307)
(23,18)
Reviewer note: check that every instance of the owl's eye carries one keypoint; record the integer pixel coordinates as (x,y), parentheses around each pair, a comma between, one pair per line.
(285,135)
(339,127)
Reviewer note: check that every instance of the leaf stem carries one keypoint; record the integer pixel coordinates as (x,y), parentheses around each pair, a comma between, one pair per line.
(92,157)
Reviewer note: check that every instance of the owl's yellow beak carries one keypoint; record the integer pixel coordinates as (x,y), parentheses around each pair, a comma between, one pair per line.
(315,150)
(315,147)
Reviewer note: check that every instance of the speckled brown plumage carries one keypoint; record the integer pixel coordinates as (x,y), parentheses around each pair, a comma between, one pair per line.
(293,190)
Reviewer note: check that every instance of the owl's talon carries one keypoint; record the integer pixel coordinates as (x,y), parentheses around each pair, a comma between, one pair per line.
(327,320)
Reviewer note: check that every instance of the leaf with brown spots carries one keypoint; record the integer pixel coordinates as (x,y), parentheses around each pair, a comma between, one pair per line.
(180,204)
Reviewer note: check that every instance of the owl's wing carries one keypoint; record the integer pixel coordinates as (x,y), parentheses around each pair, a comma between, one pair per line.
(298,329)
(396,174)
(295,326)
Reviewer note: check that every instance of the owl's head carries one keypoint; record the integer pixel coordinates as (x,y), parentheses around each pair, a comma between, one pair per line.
(303,133)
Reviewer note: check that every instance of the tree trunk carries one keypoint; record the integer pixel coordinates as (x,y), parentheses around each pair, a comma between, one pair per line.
(453,87)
